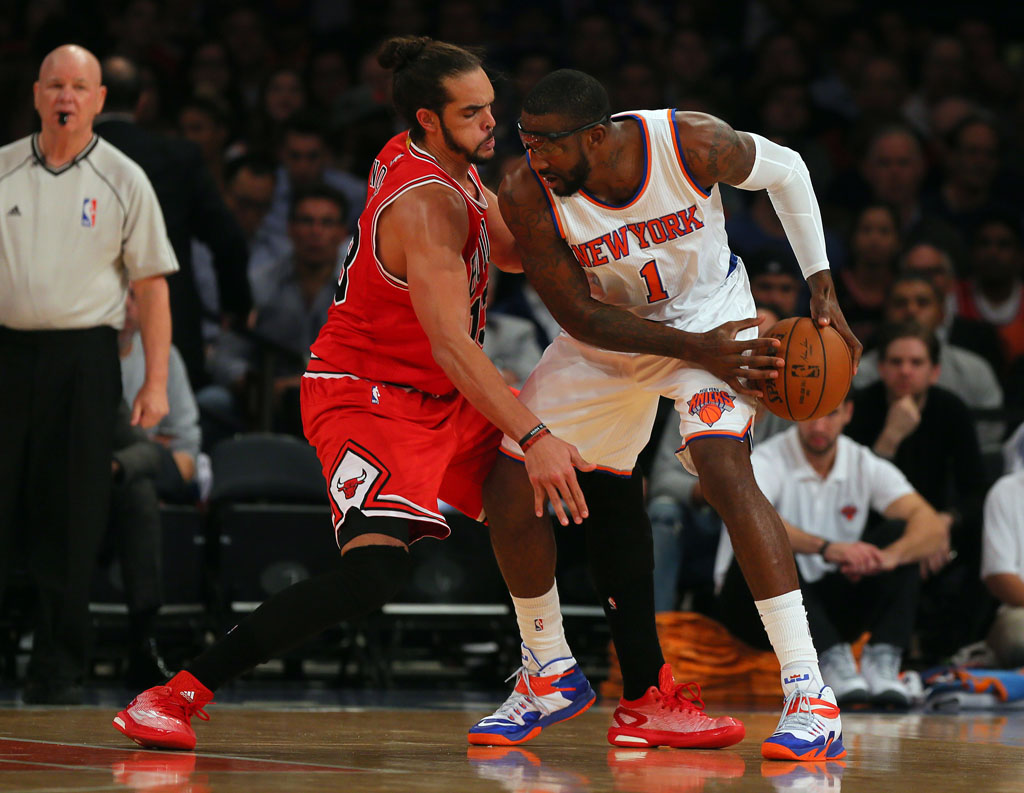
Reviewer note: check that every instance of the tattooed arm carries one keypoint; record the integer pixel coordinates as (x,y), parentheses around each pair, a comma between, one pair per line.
(559,280)
(715,152)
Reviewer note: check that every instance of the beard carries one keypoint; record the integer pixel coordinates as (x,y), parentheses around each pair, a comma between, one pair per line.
(473,156)
(575,179)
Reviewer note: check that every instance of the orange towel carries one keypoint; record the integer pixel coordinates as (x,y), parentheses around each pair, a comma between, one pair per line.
(700,649)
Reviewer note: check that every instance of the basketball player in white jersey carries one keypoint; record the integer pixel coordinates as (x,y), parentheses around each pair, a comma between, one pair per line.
(620,225)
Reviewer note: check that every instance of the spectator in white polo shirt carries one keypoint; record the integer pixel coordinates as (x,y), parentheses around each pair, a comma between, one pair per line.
(78,222)
(854,577)
(1002,567)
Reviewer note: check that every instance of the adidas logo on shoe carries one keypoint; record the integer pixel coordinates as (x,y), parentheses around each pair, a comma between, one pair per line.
(188,696)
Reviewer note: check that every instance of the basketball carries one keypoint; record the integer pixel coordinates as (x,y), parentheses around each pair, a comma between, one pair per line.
(817,373)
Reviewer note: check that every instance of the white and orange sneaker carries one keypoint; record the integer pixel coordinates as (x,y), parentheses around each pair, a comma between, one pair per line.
(161,717)
(671,715)
(543,696)
(810,729)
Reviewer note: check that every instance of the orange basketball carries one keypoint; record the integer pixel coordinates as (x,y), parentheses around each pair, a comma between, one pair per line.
(817,373)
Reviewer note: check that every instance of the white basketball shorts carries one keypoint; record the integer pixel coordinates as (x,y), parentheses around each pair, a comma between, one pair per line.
(605,402)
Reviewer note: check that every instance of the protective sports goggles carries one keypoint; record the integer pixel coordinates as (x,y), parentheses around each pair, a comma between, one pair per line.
(535,140)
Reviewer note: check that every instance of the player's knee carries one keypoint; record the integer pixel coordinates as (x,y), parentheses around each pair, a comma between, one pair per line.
(371,574)
(620,545)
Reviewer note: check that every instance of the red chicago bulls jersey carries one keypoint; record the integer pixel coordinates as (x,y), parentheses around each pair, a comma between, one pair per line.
(372,331)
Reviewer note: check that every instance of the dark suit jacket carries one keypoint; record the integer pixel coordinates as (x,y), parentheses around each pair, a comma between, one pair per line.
(192,207)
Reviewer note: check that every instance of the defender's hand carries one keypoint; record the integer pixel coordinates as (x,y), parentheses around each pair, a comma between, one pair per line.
(730,360)
(551,464)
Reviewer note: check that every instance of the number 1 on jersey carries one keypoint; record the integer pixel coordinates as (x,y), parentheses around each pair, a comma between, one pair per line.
(652,280)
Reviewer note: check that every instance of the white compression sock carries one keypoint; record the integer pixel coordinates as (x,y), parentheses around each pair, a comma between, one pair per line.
(540,625)
(785,620)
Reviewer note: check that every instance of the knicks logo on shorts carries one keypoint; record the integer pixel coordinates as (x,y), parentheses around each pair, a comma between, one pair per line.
(352,480)
(708,404)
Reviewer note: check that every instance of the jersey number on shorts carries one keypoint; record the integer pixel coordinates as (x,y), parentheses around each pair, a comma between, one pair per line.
(341,292)
(652,280)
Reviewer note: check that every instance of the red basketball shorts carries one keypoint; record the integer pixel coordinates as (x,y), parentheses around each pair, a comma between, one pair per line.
(393,452)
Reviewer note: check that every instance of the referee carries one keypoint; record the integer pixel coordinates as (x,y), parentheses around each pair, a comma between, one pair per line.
(78,222)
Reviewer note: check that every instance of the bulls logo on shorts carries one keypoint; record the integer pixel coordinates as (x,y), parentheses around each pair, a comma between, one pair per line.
(352,480)
(709,404)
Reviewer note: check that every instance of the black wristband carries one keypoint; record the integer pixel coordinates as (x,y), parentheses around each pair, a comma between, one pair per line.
(525,440)
(823,548)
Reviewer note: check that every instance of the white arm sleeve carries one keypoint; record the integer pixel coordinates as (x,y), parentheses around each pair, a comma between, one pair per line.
(782,173)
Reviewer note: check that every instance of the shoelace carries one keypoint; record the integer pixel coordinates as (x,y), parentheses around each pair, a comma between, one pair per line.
(517,702)
(801,716)
(686,696)
(188,709)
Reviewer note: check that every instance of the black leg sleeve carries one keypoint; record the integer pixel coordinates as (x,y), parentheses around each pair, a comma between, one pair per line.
(365,579)
(620,554)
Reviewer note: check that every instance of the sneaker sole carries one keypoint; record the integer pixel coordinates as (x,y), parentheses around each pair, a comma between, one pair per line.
(859,696)
(126,725)
(890,699)
(496,739)
(776,751)
(708,739)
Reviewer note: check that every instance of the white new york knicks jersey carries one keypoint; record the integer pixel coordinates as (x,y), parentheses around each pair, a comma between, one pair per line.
(663,254)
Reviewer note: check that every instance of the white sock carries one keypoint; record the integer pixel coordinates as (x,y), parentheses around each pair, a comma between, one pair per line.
(785,620)
(540,625)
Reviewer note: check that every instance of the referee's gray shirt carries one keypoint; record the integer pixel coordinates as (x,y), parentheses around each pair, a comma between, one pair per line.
(72,238)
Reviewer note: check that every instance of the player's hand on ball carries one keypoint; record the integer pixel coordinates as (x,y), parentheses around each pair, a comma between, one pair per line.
(551,464)
(732,360)
(825,311)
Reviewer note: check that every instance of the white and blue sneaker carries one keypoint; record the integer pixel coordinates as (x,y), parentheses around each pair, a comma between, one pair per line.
(543,695)
(810,729)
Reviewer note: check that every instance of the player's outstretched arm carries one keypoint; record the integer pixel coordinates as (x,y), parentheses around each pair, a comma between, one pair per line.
(430,226)
(559,280)
(716,152)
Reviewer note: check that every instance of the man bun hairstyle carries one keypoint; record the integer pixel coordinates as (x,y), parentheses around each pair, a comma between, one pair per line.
(574,95)
(419,66)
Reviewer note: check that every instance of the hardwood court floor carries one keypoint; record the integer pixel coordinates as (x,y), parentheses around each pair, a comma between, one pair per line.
(246,749)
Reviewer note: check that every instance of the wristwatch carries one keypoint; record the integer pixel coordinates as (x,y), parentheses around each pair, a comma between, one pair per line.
(823,548)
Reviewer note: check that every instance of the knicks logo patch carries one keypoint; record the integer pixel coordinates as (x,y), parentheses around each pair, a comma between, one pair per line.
(89,213)
(352,480)
(708,404)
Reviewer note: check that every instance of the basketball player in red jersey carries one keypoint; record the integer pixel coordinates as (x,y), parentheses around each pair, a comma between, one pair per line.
(620,225)
(399,400)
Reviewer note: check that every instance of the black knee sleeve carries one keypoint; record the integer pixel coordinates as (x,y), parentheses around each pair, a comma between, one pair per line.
(620,545)
(365,579)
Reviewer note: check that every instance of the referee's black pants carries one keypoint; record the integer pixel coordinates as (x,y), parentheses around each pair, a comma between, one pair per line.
(59,392)
(838,610)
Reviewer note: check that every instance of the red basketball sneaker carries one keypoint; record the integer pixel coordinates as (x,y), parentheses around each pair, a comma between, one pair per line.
(161,716)
(671,715)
